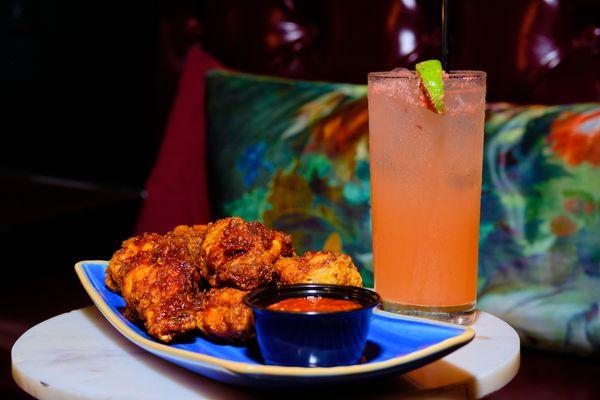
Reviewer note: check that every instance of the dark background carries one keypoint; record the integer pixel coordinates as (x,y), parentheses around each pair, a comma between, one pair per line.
(85,90)
(80,125)
(79,89)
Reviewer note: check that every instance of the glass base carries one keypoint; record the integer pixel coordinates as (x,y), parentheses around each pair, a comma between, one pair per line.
(463,315)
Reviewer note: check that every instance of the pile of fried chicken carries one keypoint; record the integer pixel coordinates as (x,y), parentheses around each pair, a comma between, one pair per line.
(196,277)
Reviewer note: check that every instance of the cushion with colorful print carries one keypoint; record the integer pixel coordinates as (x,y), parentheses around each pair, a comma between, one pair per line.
(294,155)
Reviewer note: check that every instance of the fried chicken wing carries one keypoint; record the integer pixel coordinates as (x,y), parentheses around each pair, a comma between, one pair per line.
(224,315)
(158,279)
(240,254)
(161,276)
(318,267)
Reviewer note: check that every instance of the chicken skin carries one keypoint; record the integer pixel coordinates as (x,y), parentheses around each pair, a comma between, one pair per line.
(318,267)
(240,254)
(192,236)
(225,317)
(158,279)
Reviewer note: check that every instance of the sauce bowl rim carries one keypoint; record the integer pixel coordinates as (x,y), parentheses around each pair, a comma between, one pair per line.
(371,298)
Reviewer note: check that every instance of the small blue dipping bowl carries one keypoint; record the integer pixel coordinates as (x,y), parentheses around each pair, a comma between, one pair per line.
(312,339)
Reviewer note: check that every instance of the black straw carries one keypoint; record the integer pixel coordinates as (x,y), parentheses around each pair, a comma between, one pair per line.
(445,44)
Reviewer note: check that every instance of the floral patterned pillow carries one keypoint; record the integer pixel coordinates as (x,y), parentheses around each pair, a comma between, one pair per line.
(295,155)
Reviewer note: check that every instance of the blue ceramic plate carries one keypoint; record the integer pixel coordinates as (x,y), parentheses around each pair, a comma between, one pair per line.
(395,344)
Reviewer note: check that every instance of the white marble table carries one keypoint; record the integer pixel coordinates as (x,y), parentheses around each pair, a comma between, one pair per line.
(78,355)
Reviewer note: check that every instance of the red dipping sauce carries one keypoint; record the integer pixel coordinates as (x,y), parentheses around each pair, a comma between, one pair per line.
(314,304)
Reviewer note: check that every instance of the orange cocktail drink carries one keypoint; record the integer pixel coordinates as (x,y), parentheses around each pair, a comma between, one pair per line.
(425,193)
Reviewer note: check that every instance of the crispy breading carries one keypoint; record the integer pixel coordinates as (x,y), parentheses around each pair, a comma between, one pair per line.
(192,236)
(318,267)
(158,279)
(224,315)
(240,254)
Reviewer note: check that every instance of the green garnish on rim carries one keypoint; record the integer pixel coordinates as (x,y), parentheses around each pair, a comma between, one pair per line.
(432,81)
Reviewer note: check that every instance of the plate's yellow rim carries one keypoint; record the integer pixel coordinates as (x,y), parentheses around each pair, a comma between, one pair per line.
(245,368)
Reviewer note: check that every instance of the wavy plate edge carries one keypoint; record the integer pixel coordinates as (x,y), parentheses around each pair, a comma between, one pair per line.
(242,368)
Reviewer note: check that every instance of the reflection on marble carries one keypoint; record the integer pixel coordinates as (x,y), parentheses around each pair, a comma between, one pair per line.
(78,355)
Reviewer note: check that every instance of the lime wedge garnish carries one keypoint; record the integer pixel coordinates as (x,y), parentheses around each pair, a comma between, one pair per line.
(432,81)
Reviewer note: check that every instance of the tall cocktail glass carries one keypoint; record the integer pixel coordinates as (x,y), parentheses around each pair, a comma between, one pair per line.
(425,193)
